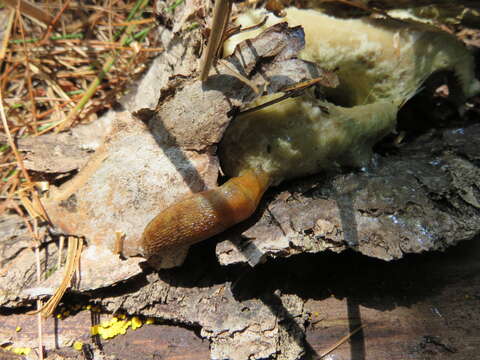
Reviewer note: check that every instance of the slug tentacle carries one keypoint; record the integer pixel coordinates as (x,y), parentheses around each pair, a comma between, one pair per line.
(205,214)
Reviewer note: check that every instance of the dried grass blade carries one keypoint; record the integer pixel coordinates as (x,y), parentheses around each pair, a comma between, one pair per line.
(28,76)
(221,15)
(39,278)
(30,10)
(53,21)
(52,84)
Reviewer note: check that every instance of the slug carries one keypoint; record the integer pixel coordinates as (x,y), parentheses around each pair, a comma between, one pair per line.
(205,214)
(381,65)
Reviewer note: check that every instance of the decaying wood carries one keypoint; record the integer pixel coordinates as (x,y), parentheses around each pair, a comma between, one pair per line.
(64,152)
(422,307)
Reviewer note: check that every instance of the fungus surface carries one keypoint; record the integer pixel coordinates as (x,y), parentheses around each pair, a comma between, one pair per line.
(381,63)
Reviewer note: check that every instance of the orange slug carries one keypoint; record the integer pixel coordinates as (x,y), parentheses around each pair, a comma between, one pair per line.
(205,214)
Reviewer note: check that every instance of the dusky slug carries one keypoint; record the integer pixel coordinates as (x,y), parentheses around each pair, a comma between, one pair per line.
(381,64)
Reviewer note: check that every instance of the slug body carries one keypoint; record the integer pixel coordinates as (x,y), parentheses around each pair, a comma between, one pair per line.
(205,214)
(381,64)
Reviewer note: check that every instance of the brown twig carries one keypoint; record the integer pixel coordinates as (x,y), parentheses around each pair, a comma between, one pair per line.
(328,79)
(39,280)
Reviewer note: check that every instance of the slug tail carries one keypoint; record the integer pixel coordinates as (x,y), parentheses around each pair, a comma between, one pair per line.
(205,214)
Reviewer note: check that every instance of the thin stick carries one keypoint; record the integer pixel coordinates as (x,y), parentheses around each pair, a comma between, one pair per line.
(40,329)
(295,90)
(53,22)
(221,15)
(341,341)
(11,142)
(60,249)
(34,234)
(8,164)
(119,238)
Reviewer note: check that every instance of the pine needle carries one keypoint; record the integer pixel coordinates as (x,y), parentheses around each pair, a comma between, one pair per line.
(92,88)
(341,341)
(74,251)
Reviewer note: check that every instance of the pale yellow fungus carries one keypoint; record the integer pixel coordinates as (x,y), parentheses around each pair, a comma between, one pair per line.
(21,350)
(380,63)
(136,323)
(94,330)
